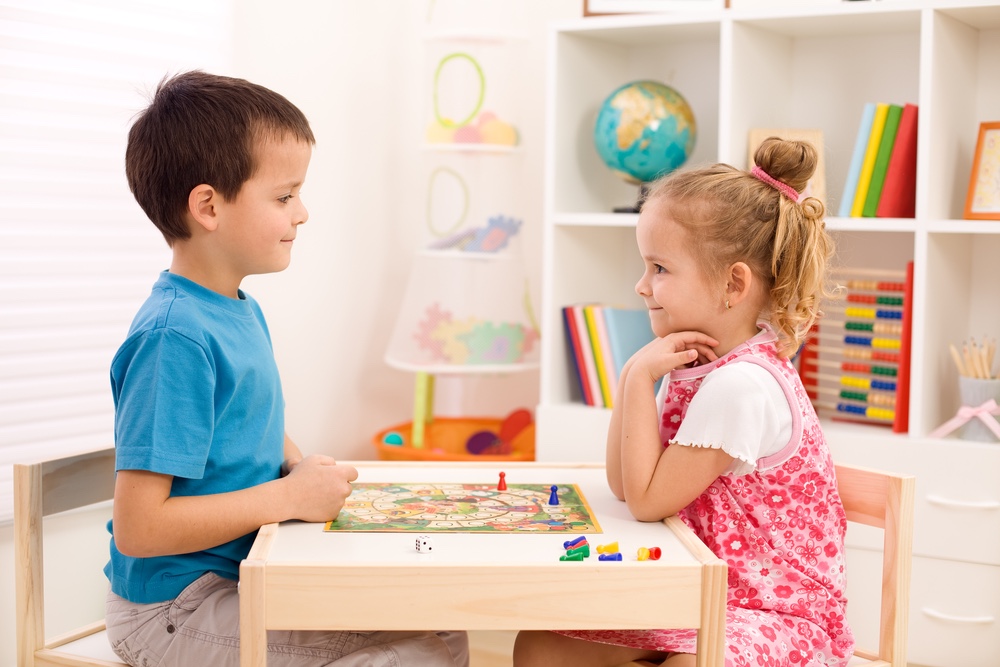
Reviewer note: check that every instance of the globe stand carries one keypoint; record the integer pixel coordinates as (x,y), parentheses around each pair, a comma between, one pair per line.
(643,193)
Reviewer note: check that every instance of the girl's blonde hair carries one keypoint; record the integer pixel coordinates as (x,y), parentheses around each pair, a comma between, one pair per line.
(735,217)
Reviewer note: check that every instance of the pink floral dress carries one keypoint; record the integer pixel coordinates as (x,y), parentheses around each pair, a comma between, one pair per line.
(780,530)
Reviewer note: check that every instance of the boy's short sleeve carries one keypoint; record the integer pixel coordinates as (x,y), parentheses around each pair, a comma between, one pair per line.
(164,384)
(741,409)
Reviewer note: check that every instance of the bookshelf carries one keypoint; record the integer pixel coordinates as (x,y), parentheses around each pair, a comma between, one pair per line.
(809,67)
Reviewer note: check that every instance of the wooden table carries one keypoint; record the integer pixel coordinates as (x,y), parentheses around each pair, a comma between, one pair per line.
(298,576)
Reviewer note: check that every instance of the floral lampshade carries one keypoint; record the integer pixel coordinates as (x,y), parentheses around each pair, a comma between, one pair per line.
(464,312)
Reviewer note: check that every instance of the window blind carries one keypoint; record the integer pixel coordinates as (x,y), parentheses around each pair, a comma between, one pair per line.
(77,254)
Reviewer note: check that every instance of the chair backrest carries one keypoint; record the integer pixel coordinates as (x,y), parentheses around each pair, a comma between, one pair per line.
(885,501)
(42,489)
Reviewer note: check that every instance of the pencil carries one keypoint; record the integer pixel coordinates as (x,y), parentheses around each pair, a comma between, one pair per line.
(957,359)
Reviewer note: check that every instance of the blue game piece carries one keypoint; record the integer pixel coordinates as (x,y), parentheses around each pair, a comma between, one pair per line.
(554,497)
(614,556)
(575,543)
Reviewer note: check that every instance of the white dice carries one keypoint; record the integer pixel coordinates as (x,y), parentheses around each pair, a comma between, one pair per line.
(424,544)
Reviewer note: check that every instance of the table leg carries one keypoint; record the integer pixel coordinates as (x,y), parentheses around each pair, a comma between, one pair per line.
(712,633)
(253,628)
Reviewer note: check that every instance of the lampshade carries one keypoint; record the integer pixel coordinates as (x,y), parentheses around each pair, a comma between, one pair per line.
(465,312)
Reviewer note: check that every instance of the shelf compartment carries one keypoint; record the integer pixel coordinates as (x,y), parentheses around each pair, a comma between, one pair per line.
(820,73)
(683,54)
(964,47)
(594,265)
(958,303)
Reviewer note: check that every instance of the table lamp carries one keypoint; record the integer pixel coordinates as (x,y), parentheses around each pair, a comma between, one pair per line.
(465,311)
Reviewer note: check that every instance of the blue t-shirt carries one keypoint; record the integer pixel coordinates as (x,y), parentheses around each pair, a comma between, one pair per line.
(197,396)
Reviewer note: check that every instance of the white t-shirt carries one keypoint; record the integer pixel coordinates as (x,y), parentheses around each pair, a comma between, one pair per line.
(739,408)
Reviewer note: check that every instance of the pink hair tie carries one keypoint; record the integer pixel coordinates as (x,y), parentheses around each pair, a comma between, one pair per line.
(783,188)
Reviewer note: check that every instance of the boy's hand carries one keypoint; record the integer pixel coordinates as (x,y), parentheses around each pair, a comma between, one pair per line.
(662,355)
(318,486)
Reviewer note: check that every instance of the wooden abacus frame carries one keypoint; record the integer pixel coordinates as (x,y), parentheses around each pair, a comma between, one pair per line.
(855,363)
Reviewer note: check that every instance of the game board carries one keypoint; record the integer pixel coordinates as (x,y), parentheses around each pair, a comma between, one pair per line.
(464,508)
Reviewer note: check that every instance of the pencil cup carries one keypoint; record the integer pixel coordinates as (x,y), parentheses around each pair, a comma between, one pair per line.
(974,392)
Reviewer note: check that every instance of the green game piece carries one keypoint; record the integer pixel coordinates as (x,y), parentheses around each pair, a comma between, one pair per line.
(574,555)
(583,549)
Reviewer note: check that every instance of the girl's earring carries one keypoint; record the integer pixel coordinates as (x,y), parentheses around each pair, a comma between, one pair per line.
(727,304)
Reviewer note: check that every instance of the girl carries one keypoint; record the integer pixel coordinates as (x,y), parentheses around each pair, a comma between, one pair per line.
(735,266)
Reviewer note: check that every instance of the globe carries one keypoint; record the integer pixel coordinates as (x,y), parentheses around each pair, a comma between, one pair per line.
(645,129)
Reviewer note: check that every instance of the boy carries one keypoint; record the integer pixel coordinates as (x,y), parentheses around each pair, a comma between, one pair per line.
(203,460)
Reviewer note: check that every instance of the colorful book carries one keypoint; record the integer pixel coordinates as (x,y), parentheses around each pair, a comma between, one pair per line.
(606,358)
(868,165)
(882,160)
(575,354)
(899,193)
(595,346)
(857,158)
(587,354)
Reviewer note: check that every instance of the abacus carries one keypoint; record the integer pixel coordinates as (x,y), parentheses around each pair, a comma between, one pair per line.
(855,362)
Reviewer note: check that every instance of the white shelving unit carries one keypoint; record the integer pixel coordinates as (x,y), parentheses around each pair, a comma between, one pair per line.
(810,67)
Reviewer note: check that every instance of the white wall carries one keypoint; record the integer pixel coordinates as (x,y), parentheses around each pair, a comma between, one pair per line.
(356,69)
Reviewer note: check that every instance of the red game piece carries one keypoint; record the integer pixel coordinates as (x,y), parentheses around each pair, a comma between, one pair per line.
(502,485)
(513,424)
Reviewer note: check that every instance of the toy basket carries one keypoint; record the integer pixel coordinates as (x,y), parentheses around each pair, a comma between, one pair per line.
(445,440)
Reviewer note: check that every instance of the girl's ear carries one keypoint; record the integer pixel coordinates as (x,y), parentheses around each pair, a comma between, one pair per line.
(202,203)
(739,282)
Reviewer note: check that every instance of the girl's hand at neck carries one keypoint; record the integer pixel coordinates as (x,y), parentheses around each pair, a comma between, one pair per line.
(675,350)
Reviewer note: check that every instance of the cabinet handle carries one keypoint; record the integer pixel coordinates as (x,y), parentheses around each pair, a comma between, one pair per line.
(964,504)
(957,619)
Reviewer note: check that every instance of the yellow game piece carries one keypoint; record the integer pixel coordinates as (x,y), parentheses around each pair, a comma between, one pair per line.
(643,553)
(607,548)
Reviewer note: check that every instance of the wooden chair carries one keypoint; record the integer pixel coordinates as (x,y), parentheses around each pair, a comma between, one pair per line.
(42,489)
(885,501)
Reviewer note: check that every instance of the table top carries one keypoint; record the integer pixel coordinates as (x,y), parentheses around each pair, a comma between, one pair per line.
(299,576)
(302,543)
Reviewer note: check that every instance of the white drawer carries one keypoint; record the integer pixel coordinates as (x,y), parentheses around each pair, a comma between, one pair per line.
(957,504)
(954,609)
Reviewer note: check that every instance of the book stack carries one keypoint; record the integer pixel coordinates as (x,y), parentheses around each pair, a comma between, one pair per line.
(881,178)
(601,339)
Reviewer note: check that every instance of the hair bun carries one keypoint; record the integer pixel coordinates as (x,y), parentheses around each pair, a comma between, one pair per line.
(789,161)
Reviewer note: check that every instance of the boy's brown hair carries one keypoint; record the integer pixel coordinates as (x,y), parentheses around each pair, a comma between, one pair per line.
(202,128)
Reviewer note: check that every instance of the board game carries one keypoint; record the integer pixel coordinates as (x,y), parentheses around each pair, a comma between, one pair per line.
(465,508)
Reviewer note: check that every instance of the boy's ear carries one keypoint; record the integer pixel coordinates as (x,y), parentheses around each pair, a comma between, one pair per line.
(739,281)
(203,201)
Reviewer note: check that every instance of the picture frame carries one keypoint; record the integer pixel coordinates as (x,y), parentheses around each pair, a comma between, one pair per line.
(817,184)
(602,7)
(983,199)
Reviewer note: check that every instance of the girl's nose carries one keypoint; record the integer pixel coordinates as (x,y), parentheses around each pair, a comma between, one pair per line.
(640,287)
